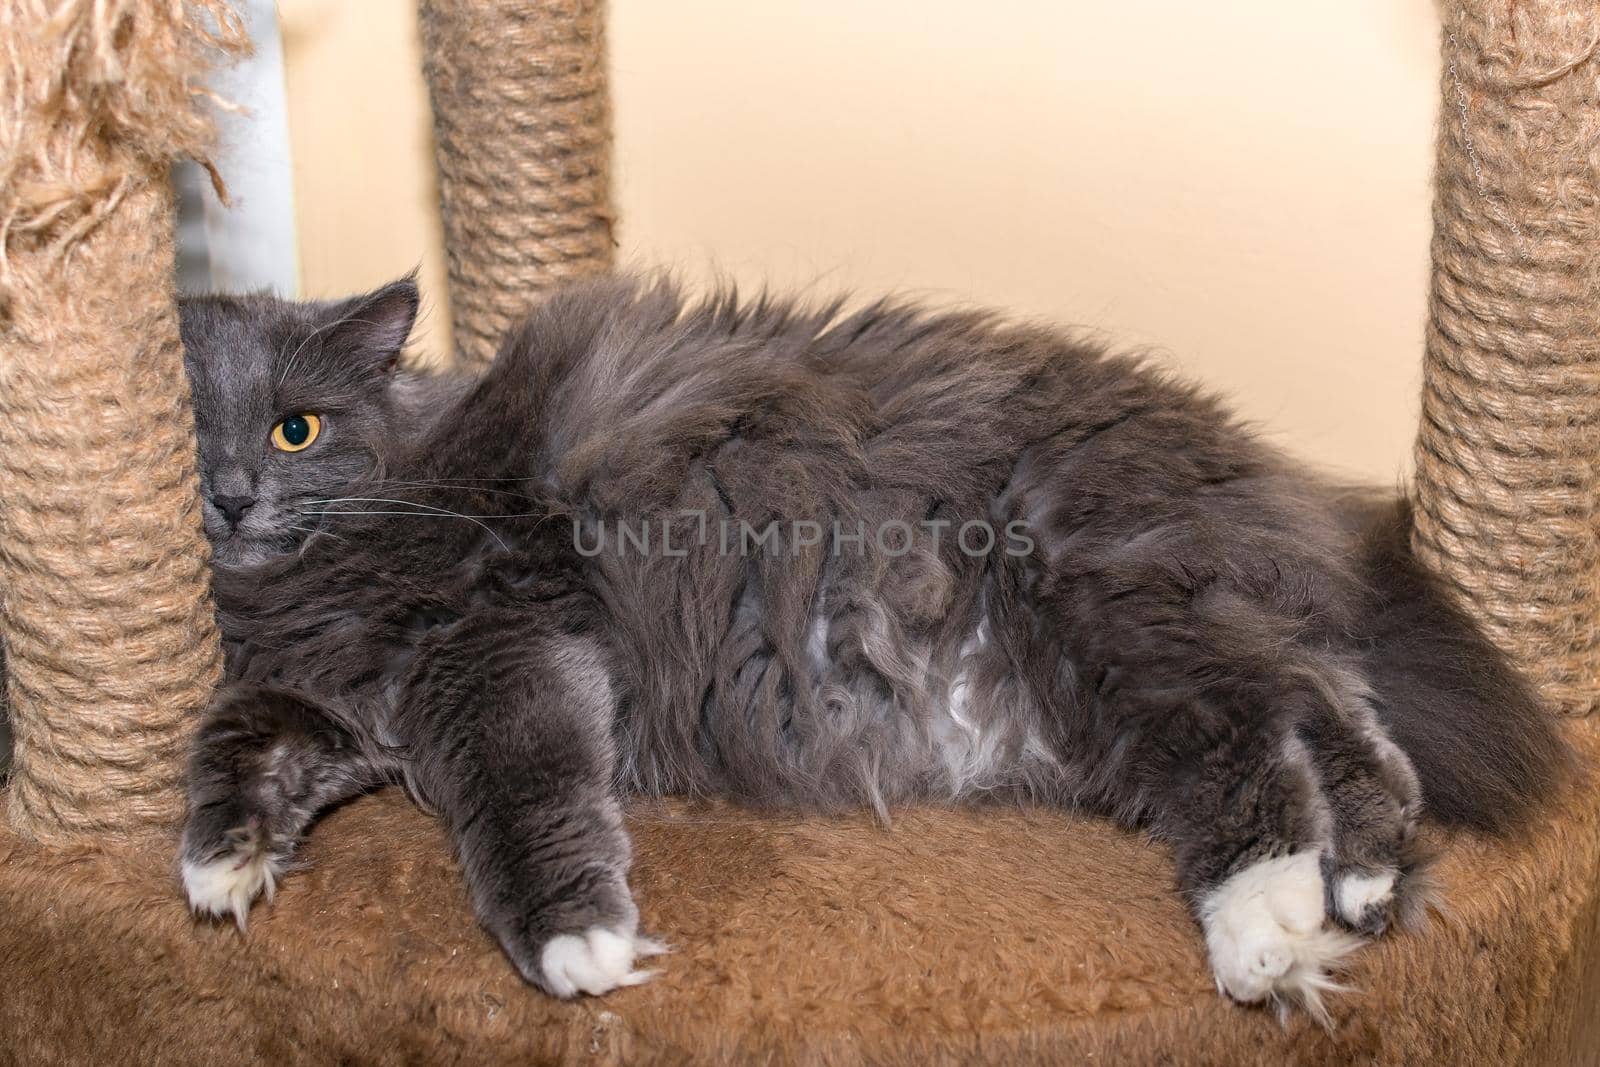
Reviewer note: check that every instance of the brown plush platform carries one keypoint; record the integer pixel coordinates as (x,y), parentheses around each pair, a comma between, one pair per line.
(994,937)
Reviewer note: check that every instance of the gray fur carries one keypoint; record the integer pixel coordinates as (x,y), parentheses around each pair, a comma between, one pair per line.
(255,359)
(1203,639)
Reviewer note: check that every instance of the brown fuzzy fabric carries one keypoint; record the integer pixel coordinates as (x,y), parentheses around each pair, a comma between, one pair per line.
(977,936)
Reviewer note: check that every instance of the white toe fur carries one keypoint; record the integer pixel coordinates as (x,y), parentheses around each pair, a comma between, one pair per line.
(596,961)
(225,886)
(1268,936)
(1357,894)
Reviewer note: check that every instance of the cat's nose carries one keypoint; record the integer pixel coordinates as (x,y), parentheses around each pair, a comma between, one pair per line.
(233,507)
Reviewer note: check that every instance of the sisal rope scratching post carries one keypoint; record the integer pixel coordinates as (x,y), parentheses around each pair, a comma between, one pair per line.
(107,617)
(522,129)
(1508,487)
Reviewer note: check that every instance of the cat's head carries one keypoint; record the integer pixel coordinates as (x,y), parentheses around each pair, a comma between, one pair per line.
(292,405)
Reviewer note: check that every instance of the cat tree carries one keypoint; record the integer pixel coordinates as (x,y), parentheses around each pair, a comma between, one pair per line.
(995,936)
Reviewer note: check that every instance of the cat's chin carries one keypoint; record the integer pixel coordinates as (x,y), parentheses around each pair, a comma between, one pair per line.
(244,552)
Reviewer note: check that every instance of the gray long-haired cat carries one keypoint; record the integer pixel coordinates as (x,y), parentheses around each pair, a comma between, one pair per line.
(812,558)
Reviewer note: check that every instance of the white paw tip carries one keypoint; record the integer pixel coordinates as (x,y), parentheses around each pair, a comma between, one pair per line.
(1268,937)
(596,961)
(225,886)
(1357,894)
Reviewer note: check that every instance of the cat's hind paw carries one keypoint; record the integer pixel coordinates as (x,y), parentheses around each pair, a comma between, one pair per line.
(596,961)
(225,885)
(1268,935)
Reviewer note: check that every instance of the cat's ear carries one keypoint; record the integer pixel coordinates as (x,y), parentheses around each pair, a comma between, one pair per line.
(373,328)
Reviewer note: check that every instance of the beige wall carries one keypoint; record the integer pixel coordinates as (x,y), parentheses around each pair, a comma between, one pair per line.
(1242,185)
(360,138)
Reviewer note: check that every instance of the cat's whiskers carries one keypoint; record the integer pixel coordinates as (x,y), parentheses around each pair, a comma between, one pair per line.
(428,511)
(463,488)
(539,514)
(423,515)
(313,531)
(504,478)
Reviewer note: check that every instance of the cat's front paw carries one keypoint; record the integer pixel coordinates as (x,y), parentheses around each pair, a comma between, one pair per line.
(582,939)
(596,961)
(1268,934)
(1364,900)
(228,878)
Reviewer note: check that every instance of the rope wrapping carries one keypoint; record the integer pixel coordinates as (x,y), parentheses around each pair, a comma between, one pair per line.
(522,134)
(107,619)
(1507,486)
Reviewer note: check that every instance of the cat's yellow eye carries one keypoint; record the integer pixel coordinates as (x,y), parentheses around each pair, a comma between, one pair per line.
(296,432)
